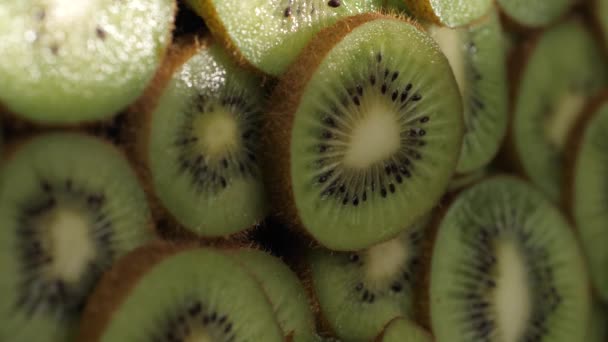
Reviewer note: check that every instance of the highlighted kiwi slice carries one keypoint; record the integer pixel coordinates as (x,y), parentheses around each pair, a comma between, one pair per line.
(284,290)
(188,295)
(555,74)
(359,293)
(449,12)
(200,140)
(401,329)
(269,35)
(476,54)
(535,13)
(70,62)
(585,184)
(69,206)
(365,133)
(506,266)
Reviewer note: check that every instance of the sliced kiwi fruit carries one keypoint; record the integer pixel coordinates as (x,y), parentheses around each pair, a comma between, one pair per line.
(199,140)
(554,76)
(535,13)
(285,292)
(449,13)
(72,62)
(164,292)
(585,182)
(506,266)
(365,132)
(403,330)
(477,56)
(360,292)
(269,35)
(69,206)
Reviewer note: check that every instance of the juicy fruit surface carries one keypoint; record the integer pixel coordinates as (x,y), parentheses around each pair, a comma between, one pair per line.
(372,134)
(273,37)
(589,205)
(403,330)
(547,103)
(449,12)
(203,143)
(70,205)
(67,62)
(535,13)
(506,267)
(197,295)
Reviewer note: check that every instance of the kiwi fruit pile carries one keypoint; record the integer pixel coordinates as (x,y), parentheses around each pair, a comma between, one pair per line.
(304,171)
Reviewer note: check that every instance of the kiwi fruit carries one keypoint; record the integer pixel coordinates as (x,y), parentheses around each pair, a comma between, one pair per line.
(364,134)
(477,56)
(403,330)
(269,35)
(66,62)
(449,13)
(535,13)
(360,292)
(69,206)
(585,182)
(545,102)
(285,292)
(506,266)
(199,140)
(164,292)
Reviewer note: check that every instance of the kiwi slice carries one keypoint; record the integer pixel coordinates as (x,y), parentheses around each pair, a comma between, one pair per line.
(585,184)
(449,13)
(506,266)
(403,330)
(200,140)
(269,35)
(166,292)
(359,293)
(365,132)
(285,291)
(69,206)
(71,62)
(535,13)
(477,56)
(546,102)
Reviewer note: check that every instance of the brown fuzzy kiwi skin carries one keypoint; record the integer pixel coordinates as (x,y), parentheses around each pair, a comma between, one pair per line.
(424,10)
(278,123)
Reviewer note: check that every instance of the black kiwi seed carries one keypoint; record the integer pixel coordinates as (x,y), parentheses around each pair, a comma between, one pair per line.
(334,3)
(101,33)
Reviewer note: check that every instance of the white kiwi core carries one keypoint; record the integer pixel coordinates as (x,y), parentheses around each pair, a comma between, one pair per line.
(217,132)
(383,261)
(559,122)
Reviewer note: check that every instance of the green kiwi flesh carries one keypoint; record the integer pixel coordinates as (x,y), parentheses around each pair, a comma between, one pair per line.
(535,13)
(506,266)
(69,206)
(562,70)
(202,145)
(477,57)
(72,62)
(360,292)
(284,290)
(588,206)
(364,141)
(403,330)
(449,13)
(601,15)
(287,25)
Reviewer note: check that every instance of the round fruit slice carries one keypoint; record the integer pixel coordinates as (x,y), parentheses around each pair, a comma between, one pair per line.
(403,330)
(476,54)
(554,76)
(507,267)
(70,62)
(200,141)
(171,293)
(359,293)
(365,133)
(585,189)
(535,13)
(449,12)
(69,206)
(270,34)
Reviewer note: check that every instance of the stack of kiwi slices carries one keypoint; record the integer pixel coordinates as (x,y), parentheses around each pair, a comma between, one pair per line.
(303,171)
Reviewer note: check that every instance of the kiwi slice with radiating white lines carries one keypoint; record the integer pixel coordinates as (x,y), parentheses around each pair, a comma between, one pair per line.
(449,13)
(76,61)
(403,330)
(69,206)
(365,132)
(506,266)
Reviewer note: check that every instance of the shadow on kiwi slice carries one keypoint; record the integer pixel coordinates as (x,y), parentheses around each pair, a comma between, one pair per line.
(70,205)
(364,134)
